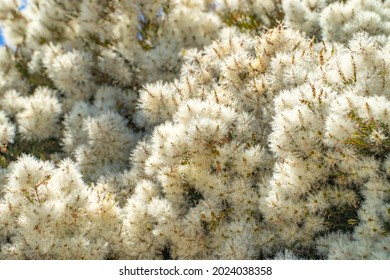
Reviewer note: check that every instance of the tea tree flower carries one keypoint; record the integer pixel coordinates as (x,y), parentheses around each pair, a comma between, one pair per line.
(193,129)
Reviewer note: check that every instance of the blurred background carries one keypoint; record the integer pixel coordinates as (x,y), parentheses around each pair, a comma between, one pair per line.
(23,5)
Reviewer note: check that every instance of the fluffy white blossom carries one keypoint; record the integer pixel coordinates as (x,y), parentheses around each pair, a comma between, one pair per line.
(39,117)
(62,219)
(7,130)
(108,145)
(195,129)
(340,20)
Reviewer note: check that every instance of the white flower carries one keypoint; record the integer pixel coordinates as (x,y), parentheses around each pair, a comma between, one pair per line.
(40,116)
(7,130)
(377,136)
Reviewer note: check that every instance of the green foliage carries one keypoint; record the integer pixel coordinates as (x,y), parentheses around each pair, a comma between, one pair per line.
(371,137)
(41,150)
(242,20)
(211,224)
(342,219)
(35,79)
(193,195)
(247,21)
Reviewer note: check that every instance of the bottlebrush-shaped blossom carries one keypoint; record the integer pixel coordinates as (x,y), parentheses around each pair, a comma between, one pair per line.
(341,20)
(304,15)
(194,132)
(330,142)
(49,213)
(204,166)
(39,117)
(237,71)
(7,130)
(336,21)
(108,146)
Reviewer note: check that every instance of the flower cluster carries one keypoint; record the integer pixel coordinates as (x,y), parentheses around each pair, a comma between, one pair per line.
(66,219)
(337,21)
(195,129)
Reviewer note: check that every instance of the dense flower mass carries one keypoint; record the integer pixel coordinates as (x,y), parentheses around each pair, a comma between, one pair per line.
(195,129)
